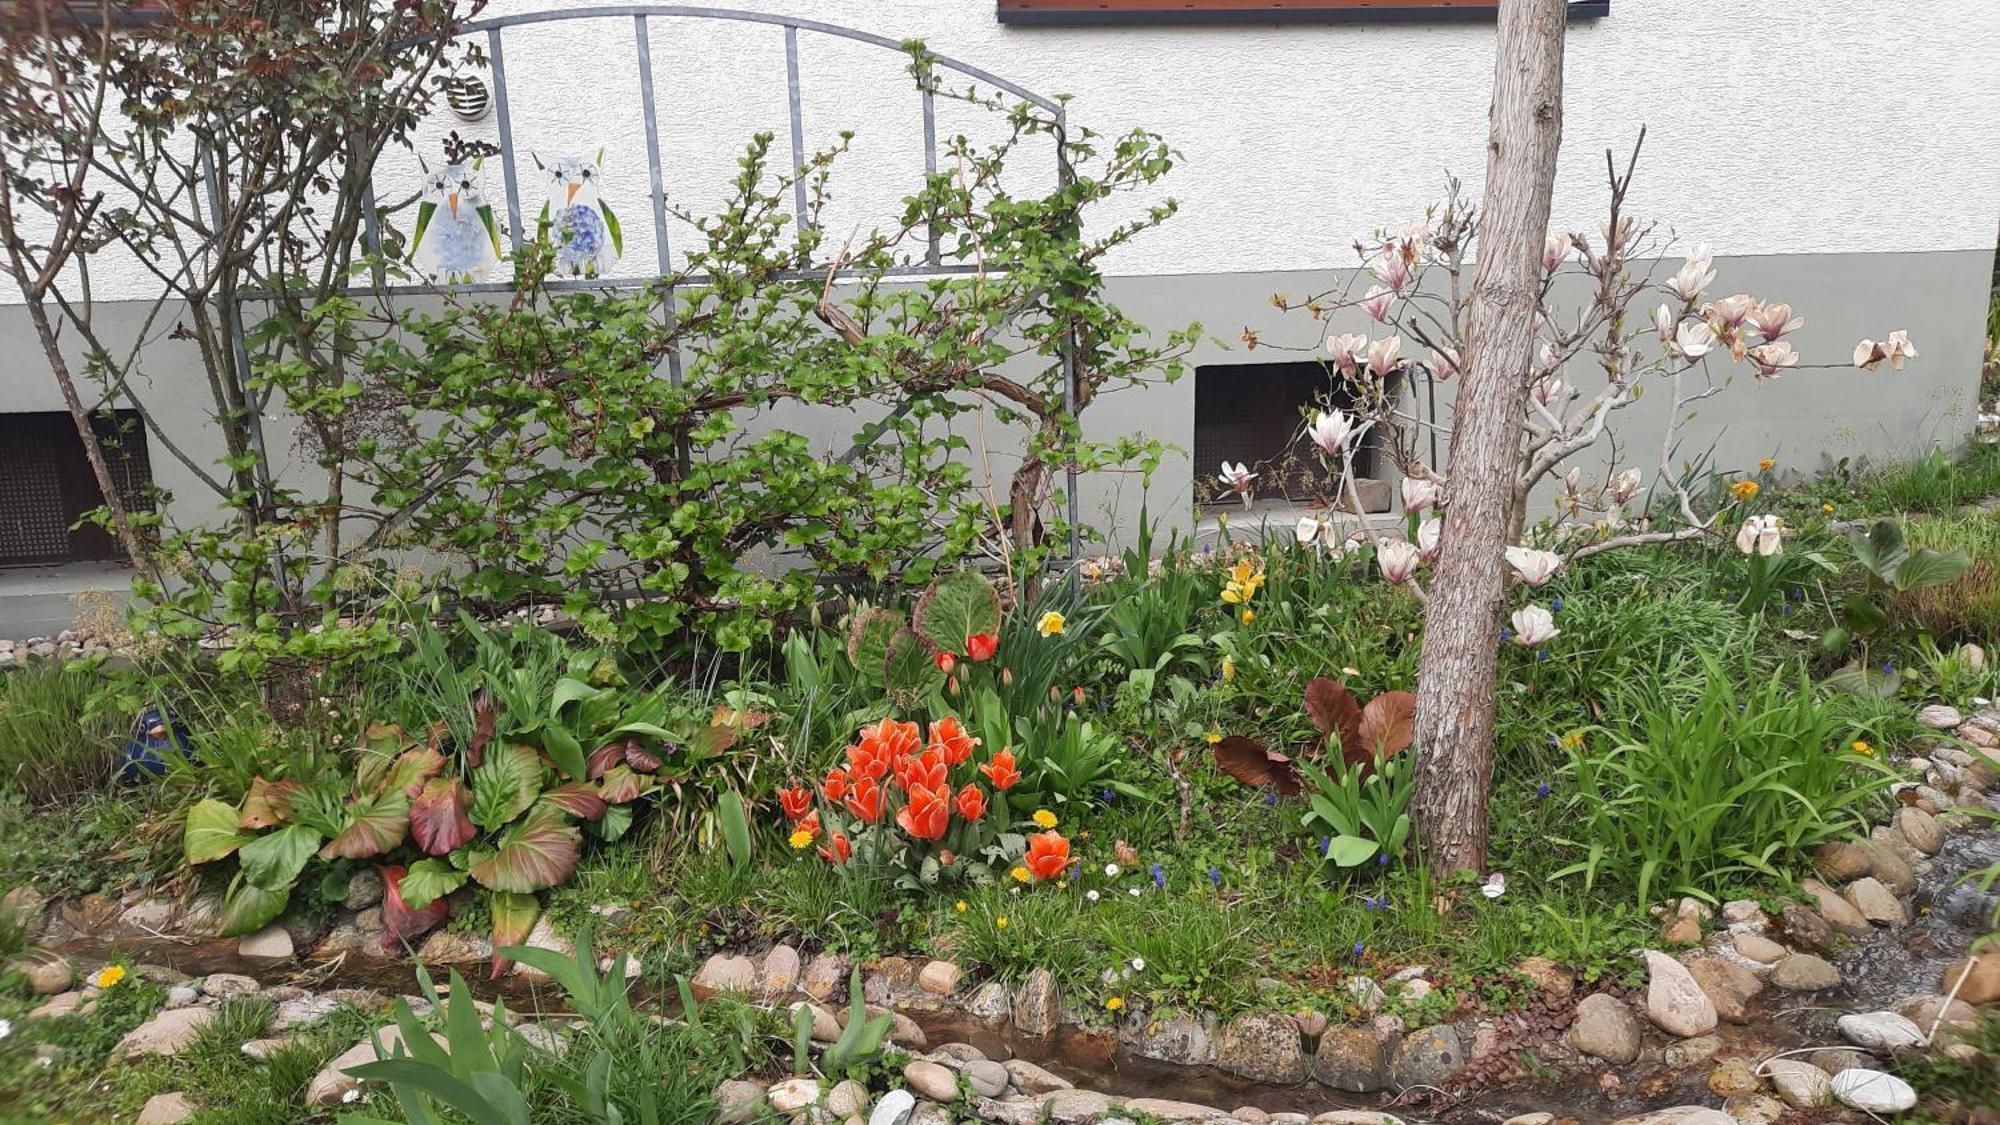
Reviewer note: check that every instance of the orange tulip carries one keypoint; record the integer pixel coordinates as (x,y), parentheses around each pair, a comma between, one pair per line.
(926,770)
(808,824)
(971,802)
(927,815)
(866,800)
(837,849)
(796,800)
(948,736)
(1048,855)
(1000,771)
(946,662)
(980,647)
(835,786)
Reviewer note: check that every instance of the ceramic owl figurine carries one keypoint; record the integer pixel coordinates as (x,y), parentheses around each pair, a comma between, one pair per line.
(581,226)
(456,239)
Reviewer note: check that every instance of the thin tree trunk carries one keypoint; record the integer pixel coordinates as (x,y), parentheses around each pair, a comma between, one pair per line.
(1460,656)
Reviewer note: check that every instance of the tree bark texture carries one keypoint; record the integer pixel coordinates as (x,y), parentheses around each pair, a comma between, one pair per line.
(1460,656)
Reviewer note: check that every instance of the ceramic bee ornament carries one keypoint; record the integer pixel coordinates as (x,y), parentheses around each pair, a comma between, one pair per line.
(457,239)
(582,227)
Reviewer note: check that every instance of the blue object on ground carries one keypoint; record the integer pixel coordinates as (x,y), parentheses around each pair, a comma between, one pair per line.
(155,733)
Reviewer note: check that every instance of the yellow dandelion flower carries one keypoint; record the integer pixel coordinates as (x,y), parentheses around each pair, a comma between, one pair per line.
(1212,737)
(108,976)
(1050,624)
(1863,749)
(801,840)
(1043,818)
(1767,464)
(1744,490)
(959,906)
(1572,740)
(1021,875)
(1000,922)
(1827,508)
(1114,1003)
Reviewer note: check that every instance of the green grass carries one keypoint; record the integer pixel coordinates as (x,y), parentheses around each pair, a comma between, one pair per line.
(51,747)
(1939,482)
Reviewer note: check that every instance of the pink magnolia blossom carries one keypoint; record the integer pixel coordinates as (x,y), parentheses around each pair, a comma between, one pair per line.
(1898,348)
(1382,356)
(1548,392)
(1420,494)
(1534,626)
(1696,274)
(1427,539)
(1624,486)
(1444,364)
(1376,303)
(1774,320)
(1332,430)
(1663,323)
(1398,559)
(1772,359)
(1238,478)
(1346,349)
(1390,267)
(1534,567)
(1615,238)
(1730,311)
(1694,339)
(1555,251)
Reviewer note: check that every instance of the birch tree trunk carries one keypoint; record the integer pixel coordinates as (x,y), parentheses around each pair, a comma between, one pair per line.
(1460,654)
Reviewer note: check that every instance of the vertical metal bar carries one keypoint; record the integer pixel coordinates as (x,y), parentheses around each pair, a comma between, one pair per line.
(1063,178)
(656,179)
(506,120)
(371,236)
(933,252)
(798,124)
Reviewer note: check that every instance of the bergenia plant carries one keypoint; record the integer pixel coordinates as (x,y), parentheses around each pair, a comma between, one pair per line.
(1363,736)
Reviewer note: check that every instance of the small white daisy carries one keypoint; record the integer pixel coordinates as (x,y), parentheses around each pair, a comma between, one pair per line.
(1138,964)
(1110,871)
(1134,892)
(1090,896)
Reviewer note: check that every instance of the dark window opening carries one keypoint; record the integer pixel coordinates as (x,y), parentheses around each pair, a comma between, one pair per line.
(48,488)
(1254,414)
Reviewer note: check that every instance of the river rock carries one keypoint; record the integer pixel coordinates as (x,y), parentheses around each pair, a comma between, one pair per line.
(1549,978)
(931,1080)
(182,996)
(929,1113)
(1881,1032)
(1164,1109)
(1932,1009)
(1733,1076)
(1840,860)
(1753,1109)
(1939,716)
(1426,1058)
(1838,912)
(148,917)
(825,978)
(48,975)
(1974,979)
(1875,903)
(164,1034)
(940,978)
(1920,829)
(1801,1084)
(894,1108)
(332,1083)
(364,889)
(1347,1117)
(987,1078)
(780,972)
(1873,1091)
(990,1003)
(793,1093)
(165,1109)
(1833,1060)
(1805,929)
(1690,1052)
(1674,1002)
(1176,1037)
(738,1101)
(1680,1115)
(1804,972)
(303,1010)
(1037,1004)
(26,909)
(1728,986)
(1263,1047)
(1887,861)
(1605,1028)
(1031,1079)
(724,973)
(1355,1059)
(449,947)
(1758,948)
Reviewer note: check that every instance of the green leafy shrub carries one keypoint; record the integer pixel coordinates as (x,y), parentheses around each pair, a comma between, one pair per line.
(51,746)
(1674,796)
(1965,607)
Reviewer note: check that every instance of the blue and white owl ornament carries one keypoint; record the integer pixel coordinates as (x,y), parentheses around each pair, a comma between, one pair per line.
(457,239)
(580,225)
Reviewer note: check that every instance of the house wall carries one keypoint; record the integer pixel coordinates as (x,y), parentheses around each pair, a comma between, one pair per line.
(1837,155)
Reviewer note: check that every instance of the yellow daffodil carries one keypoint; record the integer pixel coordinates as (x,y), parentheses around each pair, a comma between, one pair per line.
(1744,490)
(1863,749)
(1043,818)
(1249,615)
(1050,624)
(1229,668)
(108,976)
(1114,1003)
(1767,464)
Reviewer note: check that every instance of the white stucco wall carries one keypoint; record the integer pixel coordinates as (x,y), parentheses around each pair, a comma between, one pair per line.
(1774,127)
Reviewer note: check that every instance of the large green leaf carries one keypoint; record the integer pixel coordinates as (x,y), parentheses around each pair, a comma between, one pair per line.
(411,769)
(1881,548)
(378,824)
(514,917)
(1927,568)
(273,861)
(437,817)
(211,832)
(868,641)
(960,605)
(505,784)
(247,907)
(428,880)
(537,853)
(268,804)
(908,668)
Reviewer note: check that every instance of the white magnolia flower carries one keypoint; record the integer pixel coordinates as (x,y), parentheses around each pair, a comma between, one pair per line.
(1495,885)
(1555,250)
(1548,392)
(1427,539)
(1772,359)
(1731,311)
(1534,626)
(1309,530)
(1347,349)
(1420,494)
(1761,535)
(1444,364)
(1382,356)
(1398,559)
(1694,339)
(1391,268)
(1663,323)
(1898,348)
(1625,485)
(1376,303)
(1696,273)
(1774,320)
(1238,478)
(1534,567)
(1332,430)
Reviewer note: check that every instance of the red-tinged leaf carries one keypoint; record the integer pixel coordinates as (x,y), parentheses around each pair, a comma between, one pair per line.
(712,739)
(379,823)
(538,852)
(514,917)
(1333,710)
(1388,725)
(437,816)
(640,758)
(483,725)
(1251,763)
(604,757)
(268,804)
(620,785)
(577,799)
(411,769)
(399,922)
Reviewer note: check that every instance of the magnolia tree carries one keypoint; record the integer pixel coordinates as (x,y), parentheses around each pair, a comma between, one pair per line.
(1634,328)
